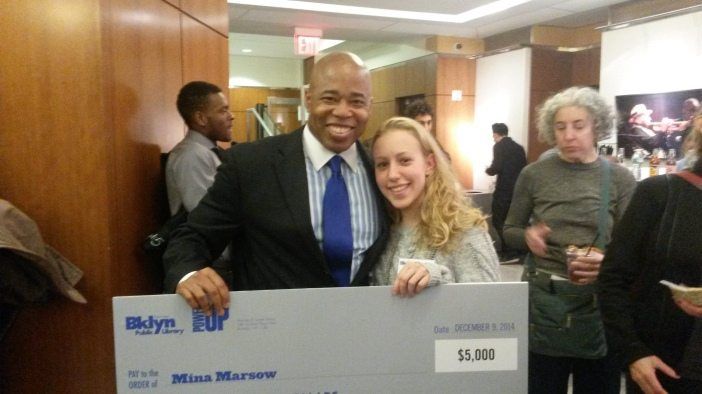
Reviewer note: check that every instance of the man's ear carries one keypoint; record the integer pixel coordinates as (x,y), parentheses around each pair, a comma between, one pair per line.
(199,118)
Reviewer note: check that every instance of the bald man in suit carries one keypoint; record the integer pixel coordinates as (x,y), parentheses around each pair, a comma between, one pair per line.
(267,200)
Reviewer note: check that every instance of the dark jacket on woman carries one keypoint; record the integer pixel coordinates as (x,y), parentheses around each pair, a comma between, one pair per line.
(658,238)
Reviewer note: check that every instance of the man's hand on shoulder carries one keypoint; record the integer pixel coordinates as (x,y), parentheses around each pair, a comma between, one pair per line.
(205,290)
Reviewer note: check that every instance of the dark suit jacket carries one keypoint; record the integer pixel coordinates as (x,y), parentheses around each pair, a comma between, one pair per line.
(259,202)
(508,159)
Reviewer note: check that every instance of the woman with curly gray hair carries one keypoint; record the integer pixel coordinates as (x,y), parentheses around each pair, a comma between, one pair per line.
(563,204)
(600,112)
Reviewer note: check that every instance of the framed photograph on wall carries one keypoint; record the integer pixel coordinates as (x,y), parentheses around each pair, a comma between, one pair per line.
(655,121)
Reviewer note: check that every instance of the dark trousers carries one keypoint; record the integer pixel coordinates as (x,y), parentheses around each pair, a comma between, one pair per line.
(500,207)
(672,386)
(549,375)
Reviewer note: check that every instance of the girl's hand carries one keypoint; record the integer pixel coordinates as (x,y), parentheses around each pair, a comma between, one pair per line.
(411,280)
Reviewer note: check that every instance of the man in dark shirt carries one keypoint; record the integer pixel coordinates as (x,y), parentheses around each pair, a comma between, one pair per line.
(508,159)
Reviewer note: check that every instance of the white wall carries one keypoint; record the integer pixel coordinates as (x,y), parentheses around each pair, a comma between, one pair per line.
(377,54)
(278,72)
(265,71)
(655,57)
(391,54)
(501,96)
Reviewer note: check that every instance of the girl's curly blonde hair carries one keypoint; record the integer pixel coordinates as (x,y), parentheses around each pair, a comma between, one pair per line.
(445,210)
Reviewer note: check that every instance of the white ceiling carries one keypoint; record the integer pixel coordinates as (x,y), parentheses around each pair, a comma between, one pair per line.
(268,31)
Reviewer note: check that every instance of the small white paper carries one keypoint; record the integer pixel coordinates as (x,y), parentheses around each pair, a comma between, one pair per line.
(673,286)
(404,261)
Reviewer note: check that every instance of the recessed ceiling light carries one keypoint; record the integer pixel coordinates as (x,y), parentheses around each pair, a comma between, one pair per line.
(247,50)
(571,49)
(474,13)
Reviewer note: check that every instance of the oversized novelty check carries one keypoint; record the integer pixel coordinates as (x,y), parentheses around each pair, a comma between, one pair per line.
(458,338)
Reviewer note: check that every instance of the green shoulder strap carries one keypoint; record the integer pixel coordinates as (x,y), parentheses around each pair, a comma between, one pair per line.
(605,181)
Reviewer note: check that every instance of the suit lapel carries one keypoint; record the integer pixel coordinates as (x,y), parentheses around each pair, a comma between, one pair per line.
(291,173)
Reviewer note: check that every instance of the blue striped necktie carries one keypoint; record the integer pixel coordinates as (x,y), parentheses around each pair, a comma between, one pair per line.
(337,241)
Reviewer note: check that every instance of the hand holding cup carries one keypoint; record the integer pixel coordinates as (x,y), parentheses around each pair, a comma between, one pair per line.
(583,264)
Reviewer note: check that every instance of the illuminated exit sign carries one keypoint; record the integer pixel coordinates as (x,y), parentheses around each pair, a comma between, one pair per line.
(307,41)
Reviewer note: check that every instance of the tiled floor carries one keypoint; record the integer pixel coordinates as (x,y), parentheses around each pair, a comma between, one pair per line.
(511,272)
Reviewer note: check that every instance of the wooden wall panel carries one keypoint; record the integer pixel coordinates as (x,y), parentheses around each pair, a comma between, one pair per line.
(409,78)
(286,114)
(586,67)
(565,37)
(417,76)
(87,105)
(455,73)
(551,71)
(379,113)
(145,124)
(212,13)
(241,99)
(435,77)
(289,93)
(588,35)
(285,117)
(239,126)
(54,145)
(455,45)
(536,147)
(397,78)
(421,76)
(382,84)
(205,54)
(414,77)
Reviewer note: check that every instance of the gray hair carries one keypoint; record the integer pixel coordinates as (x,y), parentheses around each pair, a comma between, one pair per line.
(602,114)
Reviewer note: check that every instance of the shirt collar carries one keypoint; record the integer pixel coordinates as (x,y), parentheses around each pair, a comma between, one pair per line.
(200,138)
(319,155)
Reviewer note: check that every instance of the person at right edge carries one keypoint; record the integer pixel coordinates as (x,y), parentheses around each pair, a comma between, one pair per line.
(659,237)
(572,198)
(508,160)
